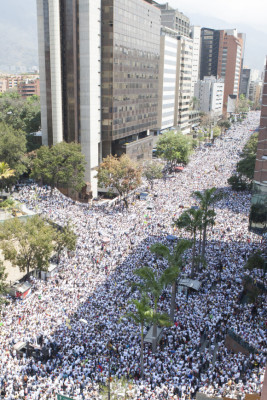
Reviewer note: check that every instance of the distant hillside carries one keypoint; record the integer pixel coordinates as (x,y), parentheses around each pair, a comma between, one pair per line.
(18,33)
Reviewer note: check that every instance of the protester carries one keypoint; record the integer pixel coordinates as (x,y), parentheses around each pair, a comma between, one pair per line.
(80,309)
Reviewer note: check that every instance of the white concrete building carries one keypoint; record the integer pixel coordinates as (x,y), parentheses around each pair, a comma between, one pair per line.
(210,94)
(167,78)
(70,77)
(196,36)
(183,83)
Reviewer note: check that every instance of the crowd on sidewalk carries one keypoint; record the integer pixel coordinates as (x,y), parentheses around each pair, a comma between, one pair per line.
(81,308)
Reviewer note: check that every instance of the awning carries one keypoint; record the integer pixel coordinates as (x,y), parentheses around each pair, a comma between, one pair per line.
(171,238)
(190,283)
(149,336)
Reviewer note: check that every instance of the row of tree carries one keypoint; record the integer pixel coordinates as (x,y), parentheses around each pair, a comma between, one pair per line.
(242,178)
(152,281)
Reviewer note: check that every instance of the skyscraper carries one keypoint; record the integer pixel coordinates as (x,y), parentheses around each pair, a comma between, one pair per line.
(210,39)
(69,34)
(229,62)
(130,73)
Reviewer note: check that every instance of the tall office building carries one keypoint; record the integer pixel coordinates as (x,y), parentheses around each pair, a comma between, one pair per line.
(245,82)
(174,19)
(259,195)
(69,34)
(195,35)
(210,39)
(229,62)
(130,74)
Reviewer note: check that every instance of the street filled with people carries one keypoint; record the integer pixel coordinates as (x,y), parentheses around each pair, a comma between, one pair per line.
(81,308)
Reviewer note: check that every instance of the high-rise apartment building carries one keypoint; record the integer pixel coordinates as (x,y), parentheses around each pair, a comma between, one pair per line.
(210,40)
(130,75)
(209,92)
(258,218)
(195,35)
(69,35)
(229,62)
(174,19)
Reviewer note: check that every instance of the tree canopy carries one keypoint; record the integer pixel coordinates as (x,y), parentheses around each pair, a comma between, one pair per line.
(174,147)
(246,165)
(30,244)
(27,244)
(152,170)
(3,284)
(60,165)
(119,173)
(19,113)
(13,149)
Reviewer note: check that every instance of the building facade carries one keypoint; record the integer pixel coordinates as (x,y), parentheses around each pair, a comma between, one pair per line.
(210,40)
(183,83)
(29,87)
(130,76)
(230,62)
(70,81)
(258,215)
(167,78)
(174,19)
(245,82)
(210,93)
(196,37)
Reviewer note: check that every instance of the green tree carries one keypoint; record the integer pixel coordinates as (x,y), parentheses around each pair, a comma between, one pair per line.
(152,171)
(191,220)
(19,113)
(237,183)
(255,261)
(175,262)
(27,244)
(64,239)
(13,149)
(141,316)
(174,147)
(60,165)
(216,131)
(246,165)
(152,283)
(121,174)
(224,124)
(243,104)
(3,284)
(207,199)
(5,174)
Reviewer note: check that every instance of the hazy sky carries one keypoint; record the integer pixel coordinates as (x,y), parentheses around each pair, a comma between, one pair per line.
(253,13)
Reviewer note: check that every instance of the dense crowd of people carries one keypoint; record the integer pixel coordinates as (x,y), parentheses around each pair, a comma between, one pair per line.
(82,307)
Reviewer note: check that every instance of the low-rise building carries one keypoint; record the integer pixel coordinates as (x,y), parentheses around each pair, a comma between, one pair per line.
(210,93)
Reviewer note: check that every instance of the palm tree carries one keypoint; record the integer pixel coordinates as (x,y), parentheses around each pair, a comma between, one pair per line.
(152,284)
(5,171)
(175,261)
(191,220)
(141,316)
(207,199)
